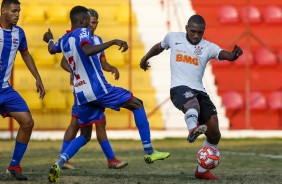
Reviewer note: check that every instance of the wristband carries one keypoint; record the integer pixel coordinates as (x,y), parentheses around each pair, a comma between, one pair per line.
(50,41)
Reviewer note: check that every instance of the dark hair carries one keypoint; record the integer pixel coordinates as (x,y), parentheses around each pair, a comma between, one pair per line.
(93,13)
(76,12)
(6,3)
(198,19)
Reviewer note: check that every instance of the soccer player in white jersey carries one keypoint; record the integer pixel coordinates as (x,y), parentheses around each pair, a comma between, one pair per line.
(92,91)
(71,131)
(12,39)
(189,56)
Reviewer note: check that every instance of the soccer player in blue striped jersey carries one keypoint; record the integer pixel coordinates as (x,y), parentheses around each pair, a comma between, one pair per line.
(12,39)
(92,91)
(71,131)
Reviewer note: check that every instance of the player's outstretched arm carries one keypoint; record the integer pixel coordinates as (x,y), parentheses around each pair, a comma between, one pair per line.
(90,50)
(109,68)
(231,56)
(155,50)
(48,38)
(32,68)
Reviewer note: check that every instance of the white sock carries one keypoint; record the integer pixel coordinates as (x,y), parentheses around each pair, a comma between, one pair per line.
(191,118)
(201,169)
(206,143)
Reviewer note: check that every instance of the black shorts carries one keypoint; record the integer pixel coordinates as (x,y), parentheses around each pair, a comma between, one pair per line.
(181,94)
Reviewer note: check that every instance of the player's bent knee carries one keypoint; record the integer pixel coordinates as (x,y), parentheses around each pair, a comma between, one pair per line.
(133,104)
(27,125)
(140,101)
(215,138)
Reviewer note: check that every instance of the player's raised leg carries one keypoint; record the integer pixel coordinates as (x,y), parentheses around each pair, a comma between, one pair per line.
(212,139)
(23,136)
(141,121)
(113,162)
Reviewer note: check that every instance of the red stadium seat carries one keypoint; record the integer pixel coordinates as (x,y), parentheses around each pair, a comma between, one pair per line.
(228,14)
(263,56)
(275,100)
(272,14)
(232,100)
(257,101)
(250,14)
(279,56)
(247,57)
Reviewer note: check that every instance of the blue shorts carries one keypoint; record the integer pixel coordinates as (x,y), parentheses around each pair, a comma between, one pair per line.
(74,110)
(11,101)
(93,112)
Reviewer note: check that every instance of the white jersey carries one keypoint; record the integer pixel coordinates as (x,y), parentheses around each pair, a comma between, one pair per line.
(187,61)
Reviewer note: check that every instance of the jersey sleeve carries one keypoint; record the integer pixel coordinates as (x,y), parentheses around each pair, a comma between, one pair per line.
(101,42)
(165,41)
(23,42)
(57,46)
(85,37)
(214,51)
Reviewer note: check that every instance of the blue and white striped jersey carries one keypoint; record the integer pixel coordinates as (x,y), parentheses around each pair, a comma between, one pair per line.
(88,78)
(10,42)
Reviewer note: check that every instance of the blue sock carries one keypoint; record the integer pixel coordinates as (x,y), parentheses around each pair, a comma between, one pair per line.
(64,145)
(19,151)
(142,124)
(72,149)
(107,149)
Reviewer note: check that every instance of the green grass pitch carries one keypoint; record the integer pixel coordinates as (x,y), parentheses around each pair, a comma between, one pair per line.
(251,161)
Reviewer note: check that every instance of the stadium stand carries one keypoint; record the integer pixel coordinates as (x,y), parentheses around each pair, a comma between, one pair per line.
(257,101)
(61,16)
(228,14)
(55,100)
(272,14)
(232,100)
(32,99)
(264,55)
(275,100)
(250,14)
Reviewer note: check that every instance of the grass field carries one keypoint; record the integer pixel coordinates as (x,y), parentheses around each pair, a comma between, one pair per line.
(249,161)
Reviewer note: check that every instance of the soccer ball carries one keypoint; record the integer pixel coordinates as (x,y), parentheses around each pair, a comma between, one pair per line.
(208,157)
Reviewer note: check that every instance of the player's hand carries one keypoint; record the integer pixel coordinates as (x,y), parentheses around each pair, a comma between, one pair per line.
(40,88)
(237,51)
(47,36)
(122,45)
(115,72)
(144,64)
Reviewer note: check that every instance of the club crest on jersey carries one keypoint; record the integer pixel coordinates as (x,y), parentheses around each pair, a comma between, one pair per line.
(188,94)
(83,34)
(198,50)
(15,42)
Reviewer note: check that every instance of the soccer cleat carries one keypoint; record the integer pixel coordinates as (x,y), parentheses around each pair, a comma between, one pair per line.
(54,173)
(68,165)
(16,172)
(117,164)
(156,155)
(195,132)
(207,175)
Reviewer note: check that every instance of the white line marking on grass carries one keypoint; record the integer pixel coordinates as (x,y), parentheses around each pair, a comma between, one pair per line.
(252,154)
